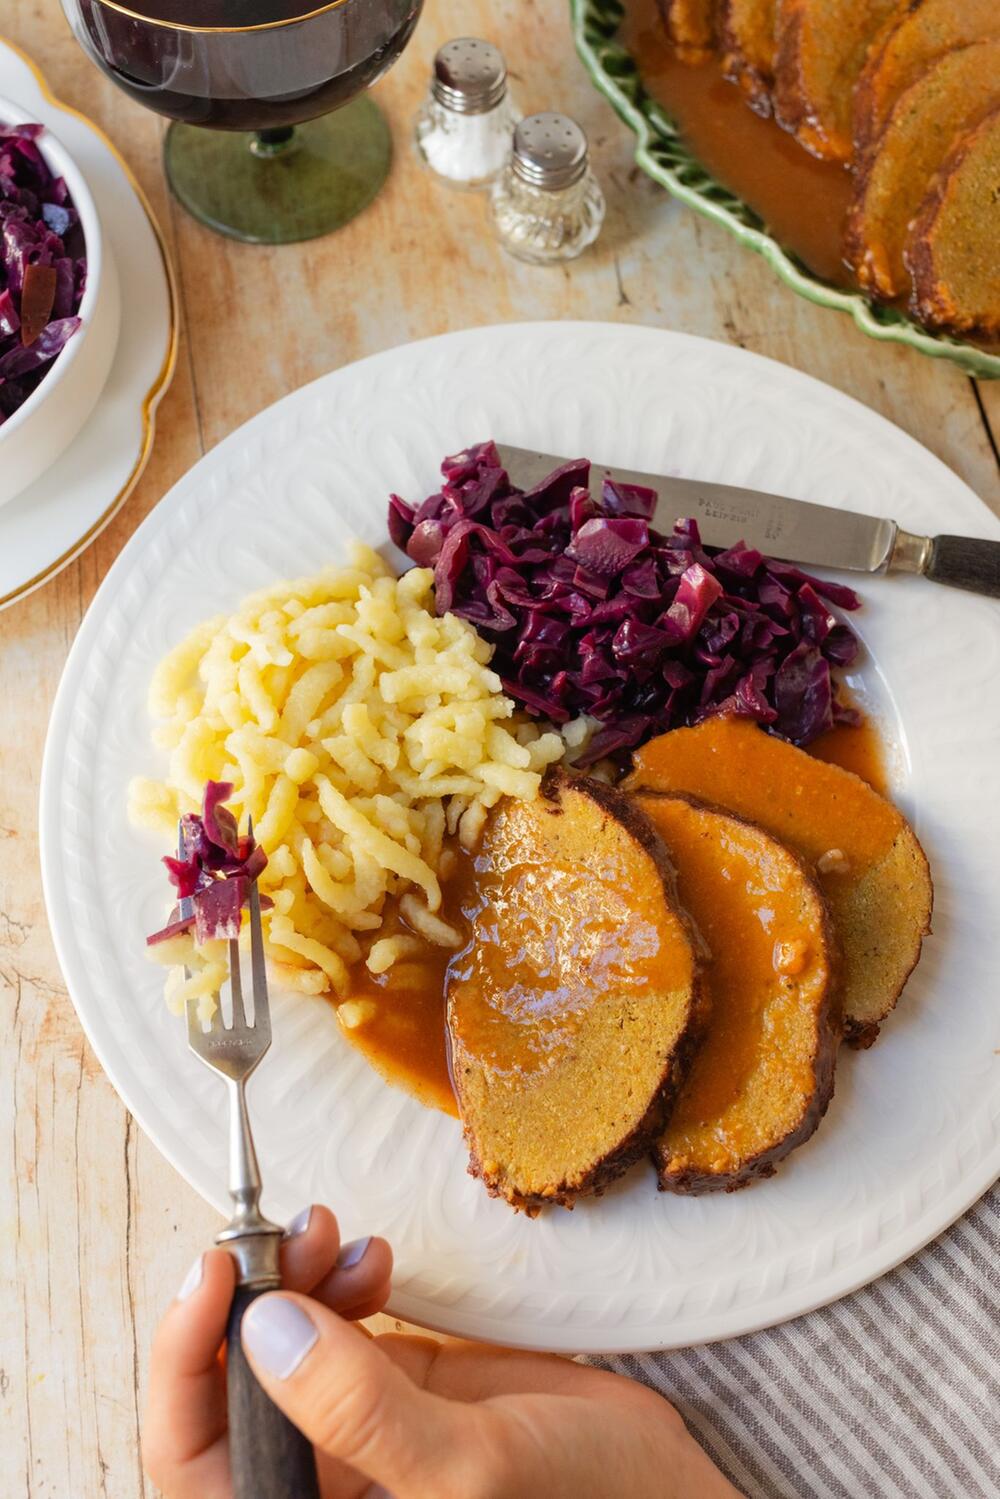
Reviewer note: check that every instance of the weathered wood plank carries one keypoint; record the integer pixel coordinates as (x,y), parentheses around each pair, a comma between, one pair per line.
(987,393)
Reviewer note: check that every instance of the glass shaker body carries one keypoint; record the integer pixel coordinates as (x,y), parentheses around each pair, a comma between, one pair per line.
(465,150)
(464,129)
(545,225)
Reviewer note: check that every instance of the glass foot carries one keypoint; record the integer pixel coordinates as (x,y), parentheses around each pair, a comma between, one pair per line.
(278,186)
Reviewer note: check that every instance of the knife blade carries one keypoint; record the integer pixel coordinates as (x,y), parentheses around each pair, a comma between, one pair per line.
(792,530)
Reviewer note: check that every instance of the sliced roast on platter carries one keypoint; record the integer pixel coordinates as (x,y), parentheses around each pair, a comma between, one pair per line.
(888,90)
(926,31)
(821,47)
(951,97)
(953,252)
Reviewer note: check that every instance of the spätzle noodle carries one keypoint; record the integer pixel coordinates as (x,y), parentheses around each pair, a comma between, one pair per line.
(358,729)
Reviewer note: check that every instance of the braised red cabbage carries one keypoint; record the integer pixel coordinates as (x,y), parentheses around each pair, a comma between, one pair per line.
(39,227)
(592,611)
(215,868)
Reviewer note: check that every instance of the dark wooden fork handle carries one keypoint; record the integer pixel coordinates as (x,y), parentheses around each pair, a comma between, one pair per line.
(270,1458)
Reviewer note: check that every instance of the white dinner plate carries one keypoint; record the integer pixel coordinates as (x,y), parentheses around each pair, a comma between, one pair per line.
(911,1138)
(58,516)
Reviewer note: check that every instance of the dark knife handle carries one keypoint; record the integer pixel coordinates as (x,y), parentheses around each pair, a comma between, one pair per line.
(965,562)
(269,1457)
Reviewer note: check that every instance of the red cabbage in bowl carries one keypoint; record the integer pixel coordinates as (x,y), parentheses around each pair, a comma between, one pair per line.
(591,610)
(43,266)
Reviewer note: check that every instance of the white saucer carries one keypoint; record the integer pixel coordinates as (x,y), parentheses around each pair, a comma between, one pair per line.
(59,515)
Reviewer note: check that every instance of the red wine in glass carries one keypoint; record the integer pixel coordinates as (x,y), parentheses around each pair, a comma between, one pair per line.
(260,66)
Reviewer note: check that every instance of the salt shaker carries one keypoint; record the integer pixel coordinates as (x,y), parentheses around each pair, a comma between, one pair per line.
(463,130)
(547,204)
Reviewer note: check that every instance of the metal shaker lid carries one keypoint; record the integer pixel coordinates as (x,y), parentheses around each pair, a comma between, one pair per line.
(550,151)
(470,76)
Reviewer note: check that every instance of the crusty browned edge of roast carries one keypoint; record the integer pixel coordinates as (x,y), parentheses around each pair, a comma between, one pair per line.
(930,301)
(859,1037)
(866,127)
(855,242)
(686,49)
(756,86)
(792,107)
(764,1163)
(757,90)
(634,1147)
(637,1143)
(693,1183)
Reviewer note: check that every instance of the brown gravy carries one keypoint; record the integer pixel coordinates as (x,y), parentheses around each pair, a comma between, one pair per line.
(767,964)
(552,936)
(800,800)
(802,201)
(406,1039)
(859,749)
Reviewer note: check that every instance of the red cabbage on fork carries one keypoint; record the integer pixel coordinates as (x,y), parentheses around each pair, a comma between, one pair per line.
(215,868)
(590,610)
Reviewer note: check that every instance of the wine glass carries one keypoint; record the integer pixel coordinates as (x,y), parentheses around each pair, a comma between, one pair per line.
(292,148)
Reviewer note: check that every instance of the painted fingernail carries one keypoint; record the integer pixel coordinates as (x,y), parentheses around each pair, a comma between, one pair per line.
(299,1223)
(192,1279)
(278,1334)
(353,1253)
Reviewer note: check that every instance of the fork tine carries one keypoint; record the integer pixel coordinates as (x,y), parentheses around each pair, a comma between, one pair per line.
(236,984)
(261,1008)
(197,1034)
(234,1051)
(186,908)
(258,971)
(193,1022)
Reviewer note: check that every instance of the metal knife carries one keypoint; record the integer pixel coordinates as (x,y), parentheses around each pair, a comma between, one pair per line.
(792,530)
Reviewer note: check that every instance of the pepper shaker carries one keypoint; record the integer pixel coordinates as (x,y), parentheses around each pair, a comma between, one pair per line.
(547,204)
(463,129)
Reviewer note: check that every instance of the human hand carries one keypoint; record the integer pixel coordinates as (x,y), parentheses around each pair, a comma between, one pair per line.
(405,1416)
(185,1441)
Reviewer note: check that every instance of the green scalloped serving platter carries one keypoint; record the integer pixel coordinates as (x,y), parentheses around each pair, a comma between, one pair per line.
(662,154)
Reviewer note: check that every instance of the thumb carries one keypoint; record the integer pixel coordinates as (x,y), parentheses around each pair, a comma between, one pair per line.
(355,1404)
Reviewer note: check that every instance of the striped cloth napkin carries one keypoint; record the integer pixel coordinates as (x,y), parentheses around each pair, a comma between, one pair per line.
(892,1393)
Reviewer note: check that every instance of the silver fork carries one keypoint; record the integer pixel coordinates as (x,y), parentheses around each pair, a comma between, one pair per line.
(269,1457)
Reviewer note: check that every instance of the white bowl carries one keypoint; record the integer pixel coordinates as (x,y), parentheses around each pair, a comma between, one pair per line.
(40,431)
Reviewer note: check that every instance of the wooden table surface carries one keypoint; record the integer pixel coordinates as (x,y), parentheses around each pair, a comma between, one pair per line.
(97,1229)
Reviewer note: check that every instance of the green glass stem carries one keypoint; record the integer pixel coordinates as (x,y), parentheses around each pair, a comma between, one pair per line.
(273,187)
(273,142)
